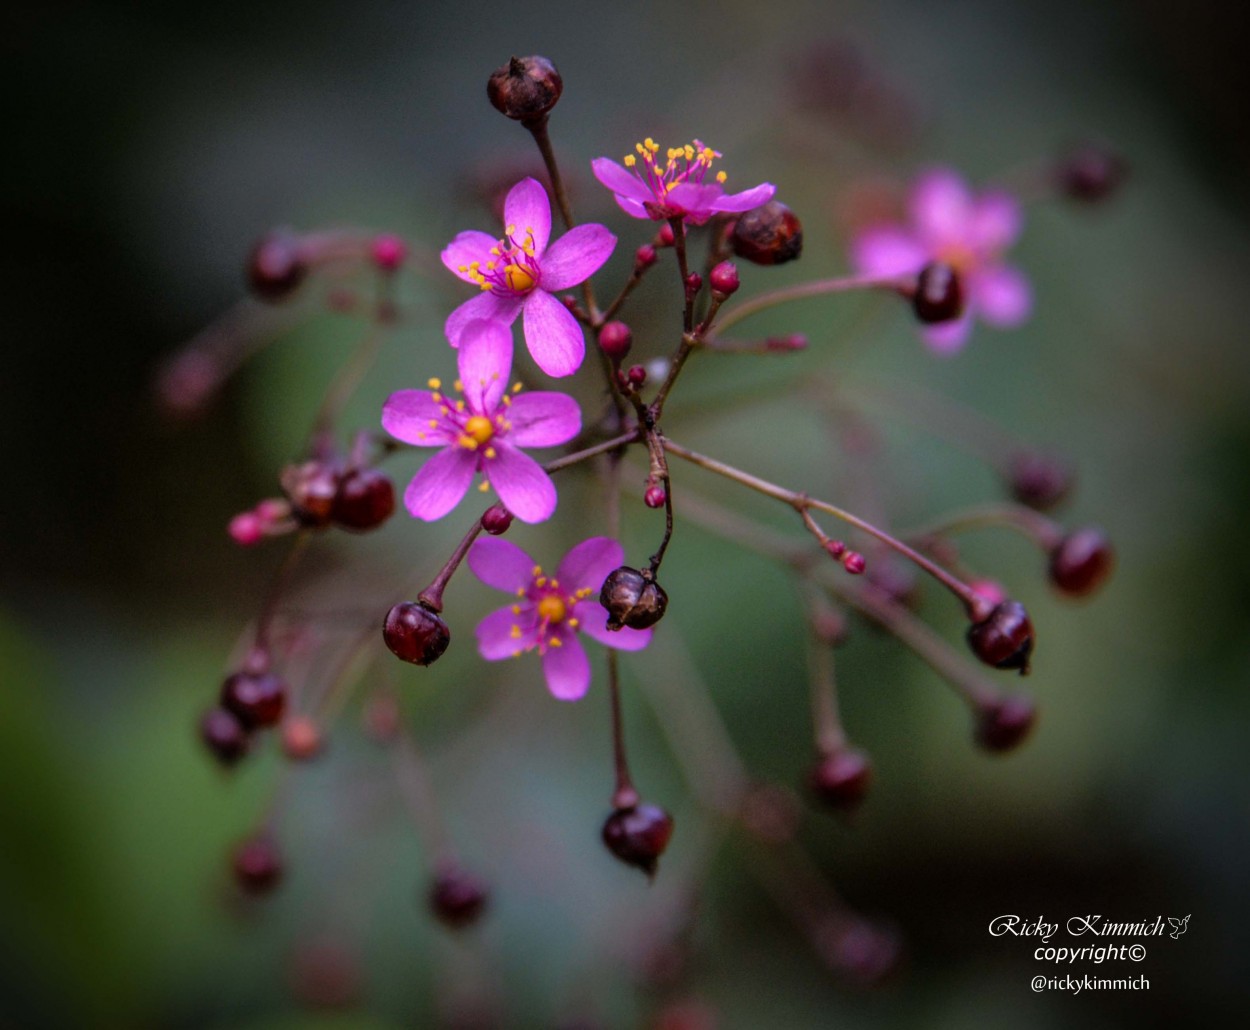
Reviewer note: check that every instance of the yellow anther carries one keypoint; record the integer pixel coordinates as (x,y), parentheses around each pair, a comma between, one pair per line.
(483,487)
(518,279)
(495,250)
(480,428)
(520,591)
(536,571)
(509,230)
(551,608)
(689,152)
(651,145)
(640,148)
(467,442)
(433,423)
(460,405)
(434,384)
(458,386)
(541,581)
(491,453)
(555,642)
(516,609)
(516,387)
(574,623)
(516,654)
(721,176)
(515,632)
(630,160)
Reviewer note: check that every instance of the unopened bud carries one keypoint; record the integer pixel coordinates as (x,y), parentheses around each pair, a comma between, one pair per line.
(311,488)
(1039,480)
(1092,173)
(723,279)
(1005,722)
(525,89)
(615,340)
(1082,562)
(638,836)
(496,519)
(457,898)
(644,257)
(388,252)
(841,778)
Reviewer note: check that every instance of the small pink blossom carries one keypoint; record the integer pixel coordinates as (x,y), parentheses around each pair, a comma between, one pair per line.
(970,233)
(482,431)
(645,188)
(550,611)
(520,273)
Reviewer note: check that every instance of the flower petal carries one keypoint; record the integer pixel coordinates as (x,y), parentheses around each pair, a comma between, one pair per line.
(947,338)
(747,199)
(887,250)
(489,306)
(527,210)
(576,256)
(697,201)
(440,484)
(501,564)
(592,619)
(1001,295)
(543,419)
(504,632)
(995,221)
(588,564)
(619,181)
(523,487)
(485,363)
(407,415)
(553,335)
(940,207)
(633,208)
(466,248)
(567,669)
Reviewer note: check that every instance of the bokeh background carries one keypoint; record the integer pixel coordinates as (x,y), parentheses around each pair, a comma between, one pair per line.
(151,144)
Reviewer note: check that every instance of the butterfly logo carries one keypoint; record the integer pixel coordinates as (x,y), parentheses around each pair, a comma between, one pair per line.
(1179,926)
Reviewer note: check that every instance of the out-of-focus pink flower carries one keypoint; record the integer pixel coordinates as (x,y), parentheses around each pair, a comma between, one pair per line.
(645,188)
(482,431)
(519,273)
(550,611)
(947,222)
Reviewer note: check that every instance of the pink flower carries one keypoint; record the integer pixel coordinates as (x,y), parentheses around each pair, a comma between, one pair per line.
(550,611)
(647,189)
(520,273)
(970,233)
(482,431)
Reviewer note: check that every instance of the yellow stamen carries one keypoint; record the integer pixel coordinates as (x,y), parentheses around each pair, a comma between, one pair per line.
(434,384)
(518,279)
(551,608)
(481,429)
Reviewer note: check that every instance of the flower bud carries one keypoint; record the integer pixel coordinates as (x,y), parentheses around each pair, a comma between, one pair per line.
(723,279)
(638,835)
(1092,173)
(664,237)
(388,252)
(415,633)
(694,283)
(364,500)
(257,864)
(276,266)
(301,738)
(1004,723)
(768,235)
(1082,562)
(854,562)
(311,488)
(1039,480)
(939,295)
(790,342)
(525,89)
(654,497)
(1005,638)
(256,698)
(637,375)
(496,519)
(632,599)
(457,898)
(615,340)
(644,258)
(840,779)
(224,735)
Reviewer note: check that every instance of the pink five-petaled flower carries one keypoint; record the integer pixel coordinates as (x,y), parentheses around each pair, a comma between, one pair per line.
(645,188)
(970,233)
(551,610)
(520,273)
(481,431)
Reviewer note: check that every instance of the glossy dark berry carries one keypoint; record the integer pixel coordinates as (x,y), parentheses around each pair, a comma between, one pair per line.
(1004,723)
(1092,173)
(257,864)
(496,519)
(768,235)
(311,488)
(615,340)
(224,735)
(364,500)
(415,633)
(723,280)
(939,295)
(632,599)
(256,698)
(1005,638)
(276,266)
(1039,480)
(841,779)
(638,835)
(525,89)
(457,898)
(1082,562)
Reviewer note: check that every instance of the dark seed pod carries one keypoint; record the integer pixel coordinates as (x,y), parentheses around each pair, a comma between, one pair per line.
(1004,723)
(415,633)
(525,89)
(275,266)
(1082,562)
(257,865)
(1005,638)
(364,500)
(312,489)
(632,599)
(224,735)
(939,295)
(638,835)
(1039,480)
(768,235)
(257,699)
(840,779)
(1092,173)
(457,898)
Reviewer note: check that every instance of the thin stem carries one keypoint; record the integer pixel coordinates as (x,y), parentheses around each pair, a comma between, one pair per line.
(615,443)
(830,736)
(432,596)
(1044,532)
(281,580)
(414,782)
(679,246)
(976,606)
(624,796)
(819,288)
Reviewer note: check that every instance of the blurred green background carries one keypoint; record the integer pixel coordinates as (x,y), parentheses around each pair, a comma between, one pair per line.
(153,143)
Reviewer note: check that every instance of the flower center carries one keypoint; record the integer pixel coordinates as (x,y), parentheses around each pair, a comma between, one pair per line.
(690,163)
(513,267)
(519,280)
(480,429)
(960,257)
(551,608)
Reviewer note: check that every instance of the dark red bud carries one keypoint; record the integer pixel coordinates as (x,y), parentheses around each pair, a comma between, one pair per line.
(644,257)
(694,283)
(496,519)
(1004,723)
(311,488)
(654,497)
(665,237)
(615,340)
(256,698)
(1005,638)
(257,864)
(769,235)
(632,599)
(723,279)
(841,779)
(525,89)
(853,562)
(364,500)
(276,266)
(1092,173)
(939,295)
(457,898)
(224,735)
(638,835)
(1039,480)
(1082,562)
(415,634)
(637,375)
